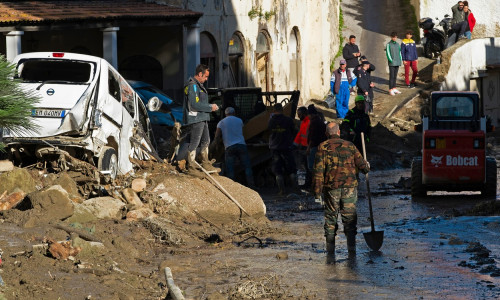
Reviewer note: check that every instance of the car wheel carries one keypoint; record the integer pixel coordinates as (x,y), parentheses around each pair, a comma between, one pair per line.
(108,161)
(417,188)
(490,186)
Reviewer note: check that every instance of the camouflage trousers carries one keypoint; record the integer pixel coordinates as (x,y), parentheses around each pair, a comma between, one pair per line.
(343,201)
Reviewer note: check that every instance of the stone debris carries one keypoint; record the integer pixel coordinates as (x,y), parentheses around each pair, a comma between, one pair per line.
(62,250)
(138,185)
(6,166)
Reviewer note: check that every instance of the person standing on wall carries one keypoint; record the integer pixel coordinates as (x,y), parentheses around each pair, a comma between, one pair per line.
(196,115)
(335,176)
(410,58)
(393,53)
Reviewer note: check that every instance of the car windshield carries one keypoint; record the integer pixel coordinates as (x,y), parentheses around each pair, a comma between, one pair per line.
(57,71)
(454,106)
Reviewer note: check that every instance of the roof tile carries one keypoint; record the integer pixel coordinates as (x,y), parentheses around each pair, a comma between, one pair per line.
(18,12)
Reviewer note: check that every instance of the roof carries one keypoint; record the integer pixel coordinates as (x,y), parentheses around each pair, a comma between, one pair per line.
(33,13)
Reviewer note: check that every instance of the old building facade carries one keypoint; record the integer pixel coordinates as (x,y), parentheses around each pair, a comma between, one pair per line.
(273,44)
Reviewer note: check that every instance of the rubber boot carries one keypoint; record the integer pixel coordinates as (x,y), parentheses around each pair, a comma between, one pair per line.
(330,244)
(280,181)
(192,167)
(351,242)
(205,161)
(330,249)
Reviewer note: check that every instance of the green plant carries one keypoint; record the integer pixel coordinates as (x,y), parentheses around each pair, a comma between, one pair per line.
(254,12)
(257,12)
(15,103)
(341,37)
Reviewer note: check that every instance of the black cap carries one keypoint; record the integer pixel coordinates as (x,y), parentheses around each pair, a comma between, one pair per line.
(366,62)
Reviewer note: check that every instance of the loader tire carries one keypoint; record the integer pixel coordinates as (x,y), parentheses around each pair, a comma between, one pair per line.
(490,186)
(108,161)
(417,188)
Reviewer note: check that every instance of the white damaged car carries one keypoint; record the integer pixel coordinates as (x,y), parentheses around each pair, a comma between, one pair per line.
(87,111)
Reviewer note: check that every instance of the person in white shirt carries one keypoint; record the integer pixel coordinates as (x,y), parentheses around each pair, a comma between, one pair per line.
(231,130)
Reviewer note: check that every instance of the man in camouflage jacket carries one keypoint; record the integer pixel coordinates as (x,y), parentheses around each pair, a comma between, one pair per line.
(336,166)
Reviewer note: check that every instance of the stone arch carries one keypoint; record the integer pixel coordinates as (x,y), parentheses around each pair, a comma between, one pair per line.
(236,53)
(142,68)
(262,58)
(209,57)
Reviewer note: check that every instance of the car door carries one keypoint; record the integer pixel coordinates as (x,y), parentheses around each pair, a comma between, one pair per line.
(112,108)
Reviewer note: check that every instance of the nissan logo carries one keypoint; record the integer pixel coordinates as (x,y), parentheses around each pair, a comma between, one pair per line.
(50,92)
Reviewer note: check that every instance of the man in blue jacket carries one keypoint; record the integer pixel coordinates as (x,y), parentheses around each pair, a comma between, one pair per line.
(410,58)
(196,115)
(341,82)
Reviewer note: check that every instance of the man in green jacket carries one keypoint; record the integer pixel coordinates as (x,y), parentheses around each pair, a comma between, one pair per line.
(393,52)
(196,115)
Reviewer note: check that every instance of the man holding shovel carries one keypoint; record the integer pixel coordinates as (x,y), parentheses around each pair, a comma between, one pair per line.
(336,165)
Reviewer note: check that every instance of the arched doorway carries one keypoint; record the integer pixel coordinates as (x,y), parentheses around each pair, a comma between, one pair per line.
(142,68)
(293,56)
(208,56)
(262,56)
(236,54)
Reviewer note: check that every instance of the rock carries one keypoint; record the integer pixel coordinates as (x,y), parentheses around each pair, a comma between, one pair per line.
(140,214)
(105,207)
(282,255)
(48,205)
(67,183)
(138,185)
(18,178)
(6,166)
(81,214)
(132,198)
(88,249)
(11,200)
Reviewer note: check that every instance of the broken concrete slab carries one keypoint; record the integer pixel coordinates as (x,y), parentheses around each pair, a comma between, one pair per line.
(17,178)
(105,208)
(6,166)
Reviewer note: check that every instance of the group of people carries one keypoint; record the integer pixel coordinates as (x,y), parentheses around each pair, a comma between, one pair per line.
(463,21)
(330,163)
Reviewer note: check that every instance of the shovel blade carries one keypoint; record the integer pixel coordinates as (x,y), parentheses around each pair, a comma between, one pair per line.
(374,239)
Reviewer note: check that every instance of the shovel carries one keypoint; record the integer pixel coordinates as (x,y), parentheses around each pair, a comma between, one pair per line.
(374,239)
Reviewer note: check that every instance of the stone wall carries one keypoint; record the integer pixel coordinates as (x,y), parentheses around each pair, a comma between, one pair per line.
(314,23)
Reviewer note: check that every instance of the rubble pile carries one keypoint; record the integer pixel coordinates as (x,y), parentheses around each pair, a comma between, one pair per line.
(101,226)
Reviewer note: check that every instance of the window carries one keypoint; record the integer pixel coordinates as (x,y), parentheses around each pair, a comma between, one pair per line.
(66,71)
(114,86)
(454,106)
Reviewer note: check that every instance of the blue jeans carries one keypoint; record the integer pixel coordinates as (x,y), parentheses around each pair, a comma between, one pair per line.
(192,136)
(311,156)
(238,151)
